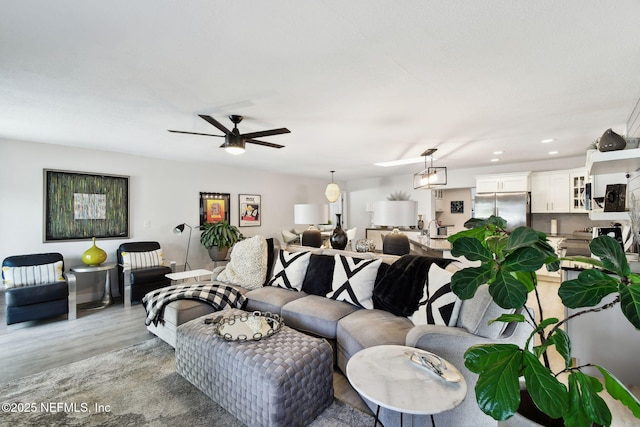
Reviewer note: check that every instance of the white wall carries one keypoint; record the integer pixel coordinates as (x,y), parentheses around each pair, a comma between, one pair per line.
(163,193)
(372,190)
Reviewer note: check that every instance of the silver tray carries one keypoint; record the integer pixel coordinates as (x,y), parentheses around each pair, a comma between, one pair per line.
(246,326)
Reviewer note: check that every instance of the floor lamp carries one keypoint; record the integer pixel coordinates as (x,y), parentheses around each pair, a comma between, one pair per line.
(178,230)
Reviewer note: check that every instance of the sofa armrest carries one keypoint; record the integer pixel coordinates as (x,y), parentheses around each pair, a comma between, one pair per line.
(126,272)
(216,271)
(451,343)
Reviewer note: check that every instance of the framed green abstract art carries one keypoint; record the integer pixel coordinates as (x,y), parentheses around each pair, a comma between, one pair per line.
(83,205)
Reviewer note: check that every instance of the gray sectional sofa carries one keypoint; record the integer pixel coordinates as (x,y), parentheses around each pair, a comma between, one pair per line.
(350,328)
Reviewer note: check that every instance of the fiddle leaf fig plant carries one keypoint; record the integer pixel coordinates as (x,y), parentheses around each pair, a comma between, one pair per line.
(221,234)
(508,264)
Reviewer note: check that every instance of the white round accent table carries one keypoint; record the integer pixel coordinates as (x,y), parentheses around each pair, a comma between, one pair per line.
(385,375)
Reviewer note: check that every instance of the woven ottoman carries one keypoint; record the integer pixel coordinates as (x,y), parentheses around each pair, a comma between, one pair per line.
(282,380)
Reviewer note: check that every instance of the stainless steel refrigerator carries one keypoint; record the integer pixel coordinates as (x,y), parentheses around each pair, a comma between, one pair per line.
(515,208)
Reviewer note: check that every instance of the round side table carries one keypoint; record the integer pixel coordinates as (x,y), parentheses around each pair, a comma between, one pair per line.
(106,296)
(385,376)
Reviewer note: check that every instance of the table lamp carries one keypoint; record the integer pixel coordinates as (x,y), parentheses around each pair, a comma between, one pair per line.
(311,214)
(395,213)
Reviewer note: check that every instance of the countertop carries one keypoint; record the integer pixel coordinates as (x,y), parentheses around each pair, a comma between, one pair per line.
(424,243)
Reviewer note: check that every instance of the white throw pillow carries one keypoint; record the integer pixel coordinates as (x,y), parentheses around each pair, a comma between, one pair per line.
(143,259)
(439,305)
(30,275)
(290,269)
(247,265)
(353,280)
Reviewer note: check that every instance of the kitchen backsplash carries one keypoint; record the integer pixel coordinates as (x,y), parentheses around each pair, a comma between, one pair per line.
(567,223)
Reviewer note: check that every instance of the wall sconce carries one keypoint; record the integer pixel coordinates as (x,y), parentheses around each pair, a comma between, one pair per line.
(430,177)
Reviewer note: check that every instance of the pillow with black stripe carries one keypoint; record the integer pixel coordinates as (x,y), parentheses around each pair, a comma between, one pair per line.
(353,280)
(439,305)
(290,270)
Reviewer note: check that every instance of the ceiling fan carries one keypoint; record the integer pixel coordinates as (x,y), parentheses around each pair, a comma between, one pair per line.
(234,141)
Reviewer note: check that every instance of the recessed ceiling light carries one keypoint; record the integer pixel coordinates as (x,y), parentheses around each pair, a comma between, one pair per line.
(546,141)
(498,152)
(553,152)
(495,160)
(400,162)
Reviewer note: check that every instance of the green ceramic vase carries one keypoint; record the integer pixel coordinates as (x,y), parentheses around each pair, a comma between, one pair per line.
(94,255)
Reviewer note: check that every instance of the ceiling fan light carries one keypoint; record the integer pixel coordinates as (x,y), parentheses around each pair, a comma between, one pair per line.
(235,150)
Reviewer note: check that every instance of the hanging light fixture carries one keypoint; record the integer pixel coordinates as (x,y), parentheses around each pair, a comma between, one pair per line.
(430,177)
(332,192)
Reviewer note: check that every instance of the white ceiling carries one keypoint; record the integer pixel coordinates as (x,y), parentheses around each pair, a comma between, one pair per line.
(356,82)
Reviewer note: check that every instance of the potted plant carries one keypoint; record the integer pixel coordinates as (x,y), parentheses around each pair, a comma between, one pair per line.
(508,262)
(218,238)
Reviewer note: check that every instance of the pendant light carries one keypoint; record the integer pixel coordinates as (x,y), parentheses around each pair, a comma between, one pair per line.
(430,177)
(332,193)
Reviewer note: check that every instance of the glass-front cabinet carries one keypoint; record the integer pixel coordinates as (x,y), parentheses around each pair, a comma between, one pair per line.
(578,180)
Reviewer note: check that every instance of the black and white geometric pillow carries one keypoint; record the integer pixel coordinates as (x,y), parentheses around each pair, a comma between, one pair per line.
(439,305)
(353,280)
(290,270)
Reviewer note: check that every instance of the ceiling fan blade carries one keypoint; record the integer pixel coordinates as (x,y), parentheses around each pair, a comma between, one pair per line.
(265,133)
(194,133)
(266,144)
(214,122)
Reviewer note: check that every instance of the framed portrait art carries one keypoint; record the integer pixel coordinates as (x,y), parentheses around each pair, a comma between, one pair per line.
(214,207)
(250,210)
(83,205)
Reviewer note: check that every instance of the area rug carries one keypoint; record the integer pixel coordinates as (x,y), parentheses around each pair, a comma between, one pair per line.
(135,386)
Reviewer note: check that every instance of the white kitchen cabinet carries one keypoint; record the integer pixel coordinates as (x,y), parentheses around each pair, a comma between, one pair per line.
(578,180)
(503,183)
(438,196)
(550,192)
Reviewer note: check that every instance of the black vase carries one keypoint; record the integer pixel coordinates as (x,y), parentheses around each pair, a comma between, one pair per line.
(338,238)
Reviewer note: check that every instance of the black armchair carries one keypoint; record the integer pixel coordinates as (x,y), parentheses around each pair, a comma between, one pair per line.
(37,287)
(141,270)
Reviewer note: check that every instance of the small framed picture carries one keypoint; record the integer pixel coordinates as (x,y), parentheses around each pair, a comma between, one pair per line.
(457,206)
(250,210)
(214,207)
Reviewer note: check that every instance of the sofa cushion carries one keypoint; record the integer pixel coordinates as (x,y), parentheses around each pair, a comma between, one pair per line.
(247,265)
(439,305)
(150,275)
(143,259)
(317,280)
(353,280)
(30,275)
(28,295)
(316,315)
(270,298)
(290,270)
(476,313)
(367,328)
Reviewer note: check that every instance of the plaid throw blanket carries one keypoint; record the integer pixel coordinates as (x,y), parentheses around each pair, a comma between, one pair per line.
(217,295)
